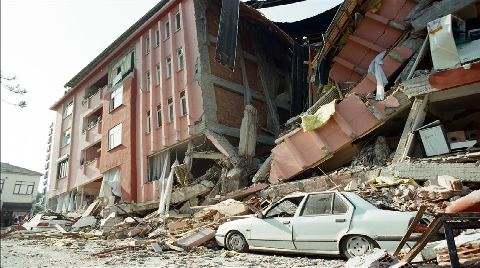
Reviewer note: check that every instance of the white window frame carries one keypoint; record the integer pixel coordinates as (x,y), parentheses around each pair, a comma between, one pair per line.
(183,103)
(148,81)
(147,44)
(66,137)
(159,115)
(178,21)
(157,38)
(166,26)
(62,168)
(180,59)
(23,188)
(68,109)
(115,137)
(149,122)
(171,113)
(116,98)
(157,68)
(168,69)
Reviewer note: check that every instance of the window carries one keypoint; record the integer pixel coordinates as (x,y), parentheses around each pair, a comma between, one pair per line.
(67,109)
(116,98)
(183,104)
(339,206)
(157,38)
(66,137)
(149,122)
(155,164)
(147,44)
(178,21)
(2,181)
(115,136)
(159,115)
(158,74)
(148,83)
(170,110)
(285,208)
(167,30)
(62,169)
(180,58)
(318,204)
(169,66)
(23,187)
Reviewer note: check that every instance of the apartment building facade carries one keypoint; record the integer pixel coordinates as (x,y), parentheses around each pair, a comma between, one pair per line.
(156,94)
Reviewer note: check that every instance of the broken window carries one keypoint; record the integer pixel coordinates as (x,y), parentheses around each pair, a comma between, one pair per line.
(148,83)
(157,38)
(339,206)
(121,68)
(170,109)
(318,204)
(157,74)
(62,168)
(286,208)
(115,136)
(149,122)
(66,137)
(183,104)
(180,58)
(178,22)
(159,115)
(68,109)
(167,30)
(169,66)
(155,164)
(116,98)
(23,187)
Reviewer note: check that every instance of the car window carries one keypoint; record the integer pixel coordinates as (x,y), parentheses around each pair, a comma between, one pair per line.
(318,204)
(286,208)
(339,206)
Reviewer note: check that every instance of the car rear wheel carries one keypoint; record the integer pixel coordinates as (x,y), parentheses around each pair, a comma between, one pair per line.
(236,241)
(357,245)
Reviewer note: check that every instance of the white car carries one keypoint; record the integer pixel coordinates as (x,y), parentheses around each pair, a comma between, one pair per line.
(330,223)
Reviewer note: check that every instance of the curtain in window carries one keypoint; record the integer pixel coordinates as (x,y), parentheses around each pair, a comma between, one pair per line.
(111,183)
(125,64)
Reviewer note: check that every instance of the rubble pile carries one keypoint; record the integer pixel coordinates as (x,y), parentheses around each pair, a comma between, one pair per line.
(407,195)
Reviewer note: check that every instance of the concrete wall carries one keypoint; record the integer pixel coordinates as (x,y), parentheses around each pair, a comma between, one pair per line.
(9,184)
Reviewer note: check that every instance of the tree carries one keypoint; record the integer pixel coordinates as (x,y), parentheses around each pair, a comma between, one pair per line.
(10,84)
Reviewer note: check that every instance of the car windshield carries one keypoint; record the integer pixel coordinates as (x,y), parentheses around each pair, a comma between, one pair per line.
(286,208)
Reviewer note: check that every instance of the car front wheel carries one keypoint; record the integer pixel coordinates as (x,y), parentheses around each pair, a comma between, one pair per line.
(357,245)
(236,241)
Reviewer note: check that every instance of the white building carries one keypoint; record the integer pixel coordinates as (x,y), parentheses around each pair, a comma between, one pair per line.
(18,188)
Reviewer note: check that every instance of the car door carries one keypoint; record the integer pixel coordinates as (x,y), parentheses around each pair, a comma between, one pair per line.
(274,230)
(322,219)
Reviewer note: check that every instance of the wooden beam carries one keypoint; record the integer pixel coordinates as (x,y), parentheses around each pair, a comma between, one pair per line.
(208,155)
(410,230)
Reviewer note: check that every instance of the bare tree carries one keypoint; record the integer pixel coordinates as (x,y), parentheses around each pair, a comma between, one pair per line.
(10,83)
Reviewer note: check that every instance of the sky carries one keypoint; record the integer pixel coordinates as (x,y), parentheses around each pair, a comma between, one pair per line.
(44,43)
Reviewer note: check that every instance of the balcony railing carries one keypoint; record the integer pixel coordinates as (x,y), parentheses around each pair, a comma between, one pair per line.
(94,132)
(91,168)
(95,99)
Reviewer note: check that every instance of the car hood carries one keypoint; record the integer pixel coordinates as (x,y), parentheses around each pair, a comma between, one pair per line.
(239,225)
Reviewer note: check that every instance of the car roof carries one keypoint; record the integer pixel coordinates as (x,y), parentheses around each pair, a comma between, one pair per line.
(357,200)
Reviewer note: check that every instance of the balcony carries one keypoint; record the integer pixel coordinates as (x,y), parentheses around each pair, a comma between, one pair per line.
(91,169)
(94,134)
(94,100)
(65,150)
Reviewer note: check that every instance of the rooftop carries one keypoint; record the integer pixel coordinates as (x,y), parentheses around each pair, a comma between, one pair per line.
(6,167)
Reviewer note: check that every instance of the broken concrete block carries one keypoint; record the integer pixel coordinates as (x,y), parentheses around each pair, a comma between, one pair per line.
(264,170)
(156,247)
(248,132)
(84,222)
(177,225)
(245,191)
(138,230)
(189,192)
(196,239)
(229,207)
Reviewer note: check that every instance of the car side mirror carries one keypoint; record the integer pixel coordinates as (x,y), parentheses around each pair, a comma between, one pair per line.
(260,215)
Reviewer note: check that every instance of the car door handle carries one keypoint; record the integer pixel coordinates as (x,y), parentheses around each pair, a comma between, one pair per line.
(340,220)
(286,222)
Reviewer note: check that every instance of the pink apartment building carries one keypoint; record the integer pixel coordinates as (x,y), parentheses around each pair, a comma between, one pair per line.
(157,94)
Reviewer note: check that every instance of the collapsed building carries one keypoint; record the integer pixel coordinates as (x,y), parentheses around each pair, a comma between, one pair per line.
(201,101)
(192,82)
